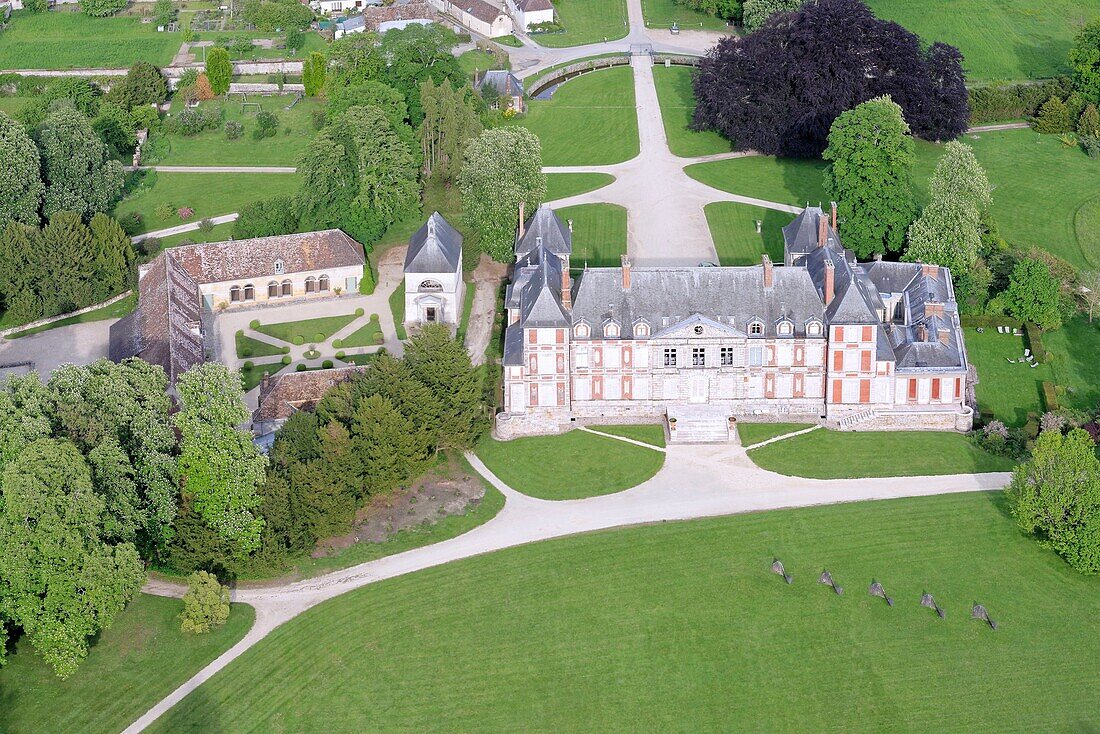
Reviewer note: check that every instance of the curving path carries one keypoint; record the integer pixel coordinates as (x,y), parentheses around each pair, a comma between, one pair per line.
(695,482)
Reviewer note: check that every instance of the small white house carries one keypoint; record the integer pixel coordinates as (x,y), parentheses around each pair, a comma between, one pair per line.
(354,24)
(527,13)
(479,16)
(328,7)
(434,289)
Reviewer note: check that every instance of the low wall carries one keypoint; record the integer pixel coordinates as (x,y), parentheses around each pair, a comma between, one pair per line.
(565,73)
(62,317)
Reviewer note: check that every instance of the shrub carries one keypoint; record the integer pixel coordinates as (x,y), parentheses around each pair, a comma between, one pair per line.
(317,118)
(1053,118)
(164,211)
(1034,337)
(1000,102)
(1050,398)
(185,212)
(1091,145)
(300,368)
(340,355)
(267,125)
(1051,421)
(286,350)
(336,343)
(254,324)
(327,364)
(149,245)
(359,312)
(205,605)
(247,366)
(131,223)
(286,360)
(233,129)
(144,117)
(206,226)
(298,341)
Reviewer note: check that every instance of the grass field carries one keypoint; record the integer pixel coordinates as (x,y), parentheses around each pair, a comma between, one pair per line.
(753,433)
(209,194)
(683,627)
(599,234)
(212,148)
(1032,206)
(846,455)
(590,121)
(251,377)
(115,311)
(562,185)
(220,233)
(64,40)
(1011,391)
(586,21)
(249,348)
(1001,39)
(651,434)
(369,335)
(733,228)
(677,107)
(141,659)
(1074,350)
(597,464)
(481,61)
(11,105)
(308,331)
(663,13)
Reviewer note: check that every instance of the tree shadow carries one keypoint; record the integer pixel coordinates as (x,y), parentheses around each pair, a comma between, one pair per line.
(772,231)
(196,712)
(804,180)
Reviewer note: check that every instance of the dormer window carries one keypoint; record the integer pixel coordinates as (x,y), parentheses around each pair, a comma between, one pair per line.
(581,330)
(280,267)
(611,330)
(756,328)
(641,329)
(813,328)
(785,328)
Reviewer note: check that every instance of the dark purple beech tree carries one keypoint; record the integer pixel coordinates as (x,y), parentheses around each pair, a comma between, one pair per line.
(779,89)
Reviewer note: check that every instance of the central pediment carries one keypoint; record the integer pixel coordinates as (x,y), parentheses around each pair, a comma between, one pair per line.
(698,326)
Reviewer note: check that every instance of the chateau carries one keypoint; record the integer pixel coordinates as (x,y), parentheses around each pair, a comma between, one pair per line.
(820,338)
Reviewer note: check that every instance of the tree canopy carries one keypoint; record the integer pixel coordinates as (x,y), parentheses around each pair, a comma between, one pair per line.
(219,69)
(1034,294)
(757,12)
(79,173)
(871,158)
(778,90)
(21,188)
(1084,59)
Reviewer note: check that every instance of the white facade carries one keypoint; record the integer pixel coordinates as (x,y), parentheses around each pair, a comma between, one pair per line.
(281,287)
(434,298)
(475,15)
(526,18)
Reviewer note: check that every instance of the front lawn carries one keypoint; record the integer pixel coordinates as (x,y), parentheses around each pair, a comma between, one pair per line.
(1000,39)
(66,40)
(564,185)
(590,121)
(397,307)
(208,194)
(654,435)
(677,108)
(663,13)
(1009,390)
(1032,204)
(594,465)
(116,310)
(733,229)
(306,331)
(599,234)
(1075,353)
(681,626)
(253,376)
(825,454)
(368,335)
(212,148)
(142,658)
(586,21)
(249,348)
(481,61)
(753,433)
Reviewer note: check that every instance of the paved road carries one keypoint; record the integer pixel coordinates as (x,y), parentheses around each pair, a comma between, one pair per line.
(189,227)
(77,344)
(216,169)
(695,482)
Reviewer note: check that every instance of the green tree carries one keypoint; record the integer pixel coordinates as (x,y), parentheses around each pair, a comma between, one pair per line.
(329,180)
(1084,59)
(219,467)
(1089,122)
(389,449)
(388,181)
(757,12)
(219,70)
(450,121)
(442,364)
(728,10)
(949,230)
(266,218)
(102,8)
(164,12)
(1053,118)
(314,68)
(80,175)
(1055,497)
(21,188)
(871,158)
(58,580)
(144,84)
(1034,294)
(115,127)
(205,605)
(501,169)
(68,243)
(112,257)
(374,94)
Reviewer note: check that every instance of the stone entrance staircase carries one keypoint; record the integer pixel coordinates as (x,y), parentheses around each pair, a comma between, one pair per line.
(698,424)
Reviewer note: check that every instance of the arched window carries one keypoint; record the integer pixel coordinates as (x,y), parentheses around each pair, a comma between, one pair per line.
(641,329)
(322,284)
(311,284)
(280,267)
(611,330)
(814,328)
(756,328)
(288,288)
(786,328)
(235,294)
(273,289)
(249,292)
(581,330)
(431,285)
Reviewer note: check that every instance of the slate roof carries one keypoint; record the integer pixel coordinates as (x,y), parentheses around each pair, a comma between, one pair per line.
(220,262)
(666,297)
(546,229)
(355,21)
(165,329)
(503,81)
(283,395)
(480,9)
(435,248)
(528,6)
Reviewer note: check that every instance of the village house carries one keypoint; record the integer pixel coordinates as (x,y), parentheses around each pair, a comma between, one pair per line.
(283,395)
(509,90)
(822,338)
(480,16)
(527,13)
(181,283)
(434,289)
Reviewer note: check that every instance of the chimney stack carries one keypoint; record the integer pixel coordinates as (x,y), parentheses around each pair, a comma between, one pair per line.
(566,294)
(626,273)
(522,220)
(945,336)
(822,230)
(834,215)
(768,273)
(830,275)
(922,333)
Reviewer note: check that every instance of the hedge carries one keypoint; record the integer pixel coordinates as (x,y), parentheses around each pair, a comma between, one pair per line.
(1050,397)
(990,322)
(1033,336)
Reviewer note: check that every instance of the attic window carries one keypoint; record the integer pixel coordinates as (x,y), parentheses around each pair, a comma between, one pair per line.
(611,330)
(785,328)
(756,328)
(581,330)
(280,267)
(641,329)
(813,329)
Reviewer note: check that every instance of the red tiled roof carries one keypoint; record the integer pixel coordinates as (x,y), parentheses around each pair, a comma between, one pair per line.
(284,395)
(219,262)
